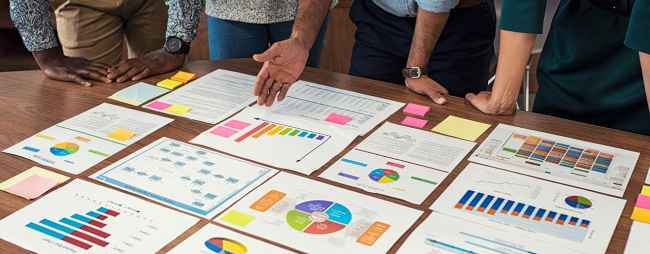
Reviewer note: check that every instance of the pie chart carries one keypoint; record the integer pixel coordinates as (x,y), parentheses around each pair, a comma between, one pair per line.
(319,217)
(64,149)
(225,246)
(382,175)
(578,202)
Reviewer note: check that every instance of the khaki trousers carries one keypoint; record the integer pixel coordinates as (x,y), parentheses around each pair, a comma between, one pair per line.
(97,29)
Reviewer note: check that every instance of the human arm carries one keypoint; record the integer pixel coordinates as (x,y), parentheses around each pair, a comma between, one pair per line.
(638,38)
(428,27)
(285,60)
(183,22)
(645,67)
(32,19)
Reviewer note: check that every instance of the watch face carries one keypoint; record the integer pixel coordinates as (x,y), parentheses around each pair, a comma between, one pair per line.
(173,44)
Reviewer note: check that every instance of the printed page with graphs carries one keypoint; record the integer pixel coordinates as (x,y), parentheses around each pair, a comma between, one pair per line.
(587,165)
(545,213)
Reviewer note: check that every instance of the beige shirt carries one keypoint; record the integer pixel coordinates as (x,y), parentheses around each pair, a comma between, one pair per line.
(254,11)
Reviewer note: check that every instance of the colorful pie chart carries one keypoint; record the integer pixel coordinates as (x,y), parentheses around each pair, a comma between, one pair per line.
(578,202)
(64,149)
(319,217)
(382,175)
(225,246)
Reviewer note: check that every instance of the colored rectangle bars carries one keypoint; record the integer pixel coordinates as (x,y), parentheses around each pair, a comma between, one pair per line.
(108,211)
(272,129)
(59,236)
(88,220)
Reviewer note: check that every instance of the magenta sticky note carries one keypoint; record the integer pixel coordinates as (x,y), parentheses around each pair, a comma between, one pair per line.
(414,122)
(237,124)
(415,109)
(32,186)
(643,201)
(223,131)
(159,105)
(338,119)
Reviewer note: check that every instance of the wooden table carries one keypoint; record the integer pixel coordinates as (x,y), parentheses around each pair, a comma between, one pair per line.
(31,103)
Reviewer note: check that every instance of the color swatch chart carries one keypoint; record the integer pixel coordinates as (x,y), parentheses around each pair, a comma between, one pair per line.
(570,161)
(316,102)
(523,215)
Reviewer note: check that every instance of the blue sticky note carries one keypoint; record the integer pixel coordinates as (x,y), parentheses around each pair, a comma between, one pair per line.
(647,177)
(138,93)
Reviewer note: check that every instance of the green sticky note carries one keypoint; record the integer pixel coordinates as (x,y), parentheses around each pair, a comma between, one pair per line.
(138,94)
(237,218)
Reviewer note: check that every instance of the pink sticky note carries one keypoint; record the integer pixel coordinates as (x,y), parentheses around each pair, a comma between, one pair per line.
(237,124)
(32,186)
(415,122)
(223,131)
(338,119)
(643,201)
(159,105)
(415,109)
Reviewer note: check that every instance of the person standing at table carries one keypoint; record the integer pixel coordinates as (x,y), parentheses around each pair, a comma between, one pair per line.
(240,29)
(433,47)
(593,66)
(32,19)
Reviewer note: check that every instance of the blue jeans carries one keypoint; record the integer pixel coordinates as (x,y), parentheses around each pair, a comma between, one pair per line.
(232,39)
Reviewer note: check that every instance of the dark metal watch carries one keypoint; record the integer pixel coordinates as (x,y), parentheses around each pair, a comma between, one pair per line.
(176,45)
(414,72)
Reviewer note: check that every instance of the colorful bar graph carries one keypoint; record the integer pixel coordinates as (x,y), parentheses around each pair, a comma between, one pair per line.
(275,131)
(495,206)
(464,199)
(285,131)
(295,132)
(561,219)
(108,211)
(584,223)
(73,232)
(557,153)
(83,227)
(320,137)
(264,131)
(602,162)
(475,201)
(88,220)
(303,134)
(506,208)
(573,221)
(485,203)
(312,135)
(528,212)
(96,215)
(517,209)
(251,132)
(59,236)
(551,216)
(539,215)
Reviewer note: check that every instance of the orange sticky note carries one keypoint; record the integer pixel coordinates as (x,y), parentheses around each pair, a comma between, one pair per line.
(32,186)
(169,84)
(267,201)
(122,134)
(184,77)
(373,233)
(640,214)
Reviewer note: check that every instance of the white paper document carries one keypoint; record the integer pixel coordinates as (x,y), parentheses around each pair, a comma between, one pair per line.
(584,164)
(185,176)
(79,143)
(400,162)
(638,241)
(316,102)
(82,217)
(548,215)
(213,239)
(212,97)
(277,140)
(315,217)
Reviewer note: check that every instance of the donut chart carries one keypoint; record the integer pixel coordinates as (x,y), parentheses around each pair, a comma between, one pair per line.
(578,202)
(319,217)
(224,245)
(382,175)
(64,149)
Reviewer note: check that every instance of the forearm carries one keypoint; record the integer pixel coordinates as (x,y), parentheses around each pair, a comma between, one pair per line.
(645,68)
(309,19)
(428,28)
(514,52)
(43,57)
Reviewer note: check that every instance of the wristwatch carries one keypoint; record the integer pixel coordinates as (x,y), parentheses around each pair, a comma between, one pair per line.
(176,46)
(414,72)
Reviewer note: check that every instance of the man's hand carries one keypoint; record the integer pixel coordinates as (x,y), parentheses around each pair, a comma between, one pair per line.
(429,87)
(73,69)
(156,62)
(488,104)
(283,64)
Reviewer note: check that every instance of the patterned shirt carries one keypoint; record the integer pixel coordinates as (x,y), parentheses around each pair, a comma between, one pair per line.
(254,11)
(32,19)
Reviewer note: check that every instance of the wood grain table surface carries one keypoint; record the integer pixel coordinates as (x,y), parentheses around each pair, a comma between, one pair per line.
(30,103)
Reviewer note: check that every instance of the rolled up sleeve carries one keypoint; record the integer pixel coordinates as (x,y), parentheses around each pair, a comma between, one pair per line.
(437,6)
(32,19)
(184,17)
(524,16)
(638,30)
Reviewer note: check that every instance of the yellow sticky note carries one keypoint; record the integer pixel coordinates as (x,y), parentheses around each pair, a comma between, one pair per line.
(646,190)
(184,76)
(178,109)
(237,218)
(121,134)
(461,128)
(640,214)
(33,171)
(169,84)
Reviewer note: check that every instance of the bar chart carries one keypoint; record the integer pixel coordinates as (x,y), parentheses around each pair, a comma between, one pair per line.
(547,221)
